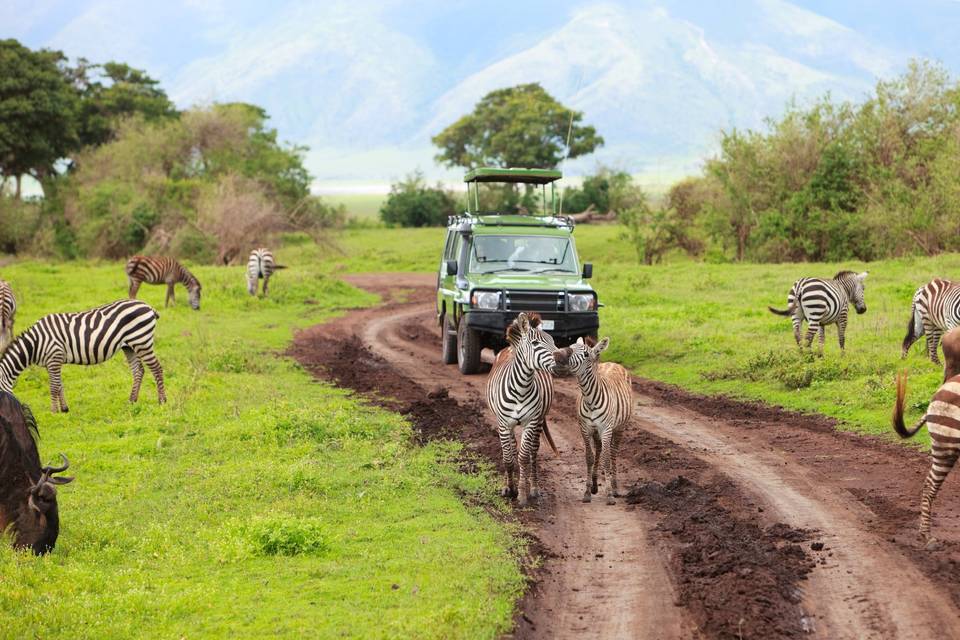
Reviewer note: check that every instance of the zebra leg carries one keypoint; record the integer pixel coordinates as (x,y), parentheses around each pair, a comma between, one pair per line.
(942,462)
(822,336)
(614,447)
(842,330)
(933,341)
(529,440)
(508,450)
(266,281)
(534,468)
(170,295)
(136,368)
(607,460)
(58,402)
(252,286)
(812,329)
(597,449)
(148,358)
(796,327)
(134,287)
(591,488)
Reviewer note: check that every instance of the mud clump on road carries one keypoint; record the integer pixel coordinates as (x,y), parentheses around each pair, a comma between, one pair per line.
(736,578)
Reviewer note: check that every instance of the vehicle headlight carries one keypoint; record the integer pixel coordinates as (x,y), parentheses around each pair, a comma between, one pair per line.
(582,302)
(486,299)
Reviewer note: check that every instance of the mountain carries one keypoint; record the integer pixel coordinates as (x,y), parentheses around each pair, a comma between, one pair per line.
(366,83)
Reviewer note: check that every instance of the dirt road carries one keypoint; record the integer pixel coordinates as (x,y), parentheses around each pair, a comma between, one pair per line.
(742,520)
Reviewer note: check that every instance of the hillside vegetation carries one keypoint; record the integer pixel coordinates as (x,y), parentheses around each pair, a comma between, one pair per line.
(258,502)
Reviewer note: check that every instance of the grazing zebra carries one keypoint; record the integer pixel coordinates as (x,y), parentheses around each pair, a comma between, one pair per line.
(821,302)
(8,309)
(86,337)
(162,270)
(604,408)
(260,265)
(519,393)
(943,424)
(935,310)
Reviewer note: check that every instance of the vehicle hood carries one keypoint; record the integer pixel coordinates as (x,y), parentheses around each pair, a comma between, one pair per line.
(542,281)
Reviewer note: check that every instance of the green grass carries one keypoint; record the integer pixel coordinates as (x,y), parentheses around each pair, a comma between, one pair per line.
(362,206)
(706,326)
(257,502)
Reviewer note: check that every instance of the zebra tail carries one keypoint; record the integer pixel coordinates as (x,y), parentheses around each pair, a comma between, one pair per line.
(898,424)
(788,312)
(912,330)
(546,434)
(279,266)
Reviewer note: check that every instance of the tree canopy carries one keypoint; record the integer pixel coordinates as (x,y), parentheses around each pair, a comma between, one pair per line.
(522,126)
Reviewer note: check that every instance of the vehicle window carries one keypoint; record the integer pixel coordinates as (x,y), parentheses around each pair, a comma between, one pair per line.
(455,247)
(448,245)
(533,254)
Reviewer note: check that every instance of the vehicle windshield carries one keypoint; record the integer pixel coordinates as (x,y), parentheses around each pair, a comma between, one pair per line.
(531,254)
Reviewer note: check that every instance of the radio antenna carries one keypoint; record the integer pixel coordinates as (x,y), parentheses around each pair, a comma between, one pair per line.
(563,163)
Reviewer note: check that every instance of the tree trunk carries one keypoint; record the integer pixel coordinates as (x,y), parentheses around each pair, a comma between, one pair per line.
(16,189)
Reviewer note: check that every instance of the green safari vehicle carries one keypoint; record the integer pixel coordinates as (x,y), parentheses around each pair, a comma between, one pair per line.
(495,265)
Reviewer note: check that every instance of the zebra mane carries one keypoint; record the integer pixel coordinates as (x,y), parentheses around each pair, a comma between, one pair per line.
(844,273)
(513,334)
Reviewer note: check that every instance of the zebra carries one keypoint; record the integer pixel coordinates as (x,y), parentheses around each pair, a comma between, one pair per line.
(160,270)
(821,302)
(935,310)
(519,393)
(260,265)
(86,337)
(8,310)
(943,424)
(603,410)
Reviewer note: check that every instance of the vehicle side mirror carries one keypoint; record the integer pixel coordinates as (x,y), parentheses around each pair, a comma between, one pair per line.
(451,267)
(587,270)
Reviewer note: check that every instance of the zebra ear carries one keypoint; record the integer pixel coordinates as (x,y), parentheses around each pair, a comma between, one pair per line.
(579,340)
(523,322)
(601,346)
(862,276)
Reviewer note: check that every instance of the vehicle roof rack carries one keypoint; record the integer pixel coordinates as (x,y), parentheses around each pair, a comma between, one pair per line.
(514,175)
(469,220)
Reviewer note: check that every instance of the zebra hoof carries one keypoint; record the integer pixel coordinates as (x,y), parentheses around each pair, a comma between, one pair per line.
(933,545)
(586,497)
(610,500)
(534,493)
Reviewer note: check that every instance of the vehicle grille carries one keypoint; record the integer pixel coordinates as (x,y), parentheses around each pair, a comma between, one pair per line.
(535,300)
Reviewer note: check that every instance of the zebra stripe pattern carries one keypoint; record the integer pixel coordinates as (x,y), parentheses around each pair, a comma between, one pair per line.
(821,302)
(260,265)
(943,424)
(519,393)
(604,408)
(162,270)
(935,310)
(87,337)
(8,310)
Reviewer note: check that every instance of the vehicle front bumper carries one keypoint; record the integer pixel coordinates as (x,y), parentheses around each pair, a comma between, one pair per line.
(565,325)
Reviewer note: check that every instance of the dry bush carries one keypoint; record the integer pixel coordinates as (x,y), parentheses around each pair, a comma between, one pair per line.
(237,214)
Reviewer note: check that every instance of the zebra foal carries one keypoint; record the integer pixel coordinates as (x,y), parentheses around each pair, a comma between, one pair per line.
(8,310)
(519,393)
(943,424)
(86,337)
(821,302)
(260,265)
(604,408)
(935,310)
(162,270)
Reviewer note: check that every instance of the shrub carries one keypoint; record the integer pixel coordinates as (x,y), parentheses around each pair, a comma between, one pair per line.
(412,203)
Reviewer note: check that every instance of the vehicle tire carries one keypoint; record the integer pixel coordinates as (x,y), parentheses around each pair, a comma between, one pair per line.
(449,342)
(468,349)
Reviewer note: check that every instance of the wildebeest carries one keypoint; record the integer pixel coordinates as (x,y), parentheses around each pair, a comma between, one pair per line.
(28,494)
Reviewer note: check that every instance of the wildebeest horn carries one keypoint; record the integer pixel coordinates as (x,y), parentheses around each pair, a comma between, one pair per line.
(52,470)
(32,504)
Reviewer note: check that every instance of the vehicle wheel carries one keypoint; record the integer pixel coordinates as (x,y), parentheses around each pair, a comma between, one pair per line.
(449,348)
(468,348)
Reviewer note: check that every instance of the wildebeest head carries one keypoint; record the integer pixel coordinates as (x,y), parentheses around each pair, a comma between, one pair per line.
(28,494)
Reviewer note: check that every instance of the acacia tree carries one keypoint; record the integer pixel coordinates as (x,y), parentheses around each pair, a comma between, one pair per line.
(38,112)
(522,126)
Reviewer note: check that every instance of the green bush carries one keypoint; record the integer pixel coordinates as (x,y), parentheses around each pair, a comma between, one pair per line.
(413,203)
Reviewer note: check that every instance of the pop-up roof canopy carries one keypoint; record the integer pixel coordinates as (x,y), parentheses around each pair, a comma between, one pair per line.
(524,176)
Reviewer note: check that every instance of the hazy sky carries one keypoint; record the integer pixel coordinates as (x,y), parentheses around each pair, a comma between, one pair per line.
(365,83)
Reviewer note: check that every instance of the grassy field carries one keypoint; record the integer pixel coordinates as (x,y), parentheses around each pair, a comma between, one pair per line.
(257,502)
(360,206)
(706,326)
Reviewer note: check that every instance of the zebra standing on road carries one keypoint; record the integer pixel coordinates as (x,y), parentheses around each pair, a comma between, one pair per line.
(604,408)
(86,337)
(821,302)
(935,310)
(519,393)
(8,309)
(260,265)
(162,270)
(943,424)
